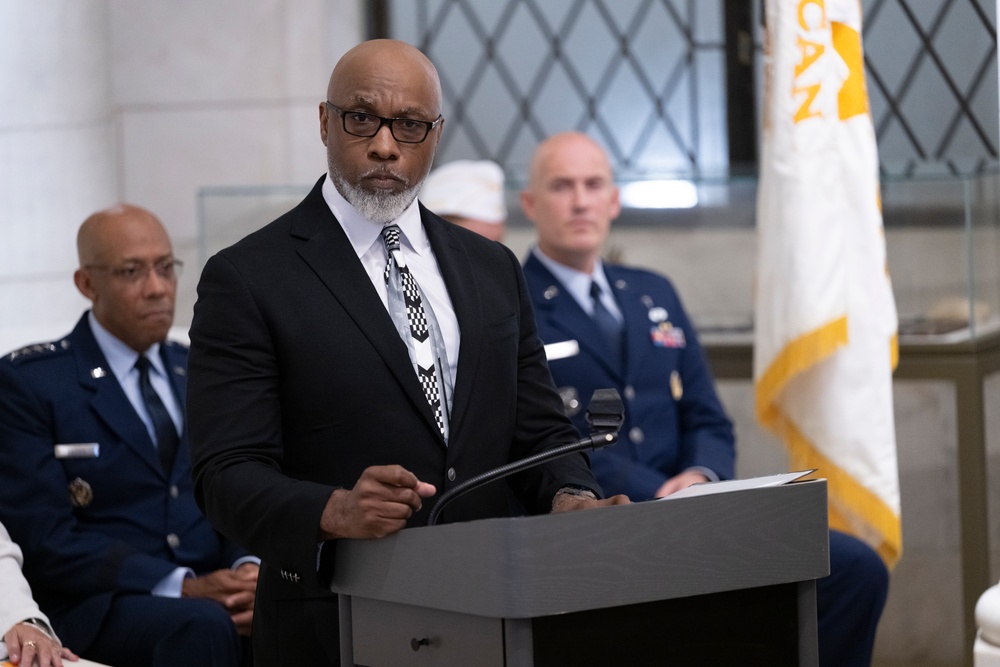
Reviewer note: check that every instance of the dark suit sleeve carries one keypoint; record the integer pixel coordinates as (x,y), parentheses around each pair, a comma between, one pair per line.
(541,422)
(61,553)
(235,422)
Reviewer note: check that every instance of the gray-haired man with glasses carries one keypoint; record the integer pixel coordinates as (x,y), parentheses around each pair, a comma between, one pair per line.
(95,472)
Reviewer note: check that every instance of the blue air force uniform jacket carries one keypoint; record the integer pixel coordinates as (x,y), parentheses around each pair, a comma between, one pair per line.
(673,417)
(93,526)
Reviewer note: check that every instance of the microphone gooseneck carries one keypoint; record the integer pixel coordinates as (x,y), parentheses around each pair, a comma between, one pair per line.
(605,414)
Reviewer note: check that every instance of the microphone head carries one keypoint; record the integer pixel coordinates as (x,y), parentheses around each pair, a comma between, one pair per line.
(605,412)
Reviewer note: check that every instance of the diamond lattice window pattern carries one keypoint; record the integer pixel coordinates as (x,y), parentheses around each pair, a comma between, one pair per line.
(646,78)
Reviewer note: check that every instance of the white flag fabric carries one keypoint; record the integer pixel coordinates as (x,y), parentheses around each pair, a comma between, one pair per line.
(825,317)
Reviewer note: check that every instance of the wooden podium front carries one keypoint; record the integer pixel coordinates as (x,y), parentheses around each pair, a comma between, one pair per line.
(723,579)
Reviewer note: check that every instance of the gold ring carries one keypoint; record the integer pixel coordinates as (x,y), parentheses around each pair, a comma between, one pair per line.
(31,644)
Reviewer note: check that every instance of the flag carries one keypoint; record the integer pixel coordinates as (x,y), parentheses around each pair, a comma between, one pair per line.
(825,319)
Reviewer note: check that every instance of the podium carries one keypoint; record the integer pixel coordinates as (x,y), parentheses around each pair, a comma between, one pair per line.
(721,579)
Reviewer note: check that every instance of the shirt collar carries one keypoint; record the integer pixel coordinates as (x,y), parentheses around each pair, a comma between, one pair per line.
(577,283)
(120,357)
(363,233)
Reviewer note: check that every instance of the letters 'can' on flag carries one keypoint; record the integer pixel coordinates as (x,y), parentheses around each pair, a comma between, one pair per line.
(825,319)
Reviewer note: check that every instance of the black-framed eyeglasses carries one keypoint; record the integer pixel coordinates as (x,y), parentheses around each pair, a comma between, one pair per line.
(137,272)
(404,130)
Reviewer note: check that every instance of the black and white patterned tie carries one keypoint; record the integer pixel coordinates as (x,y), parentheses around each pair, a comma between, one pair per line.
(426,360)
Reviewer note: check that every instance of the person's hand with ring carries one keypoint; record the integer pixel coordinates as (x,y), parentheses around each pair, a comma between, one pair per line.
(29,645)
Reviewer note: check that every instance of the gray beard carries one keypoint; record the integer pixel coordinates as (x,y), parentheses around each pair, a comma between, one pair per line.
(379,207)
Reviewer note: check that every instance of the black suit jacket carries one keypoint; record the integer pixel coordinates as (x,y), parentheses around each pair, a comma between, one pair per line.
(299,381)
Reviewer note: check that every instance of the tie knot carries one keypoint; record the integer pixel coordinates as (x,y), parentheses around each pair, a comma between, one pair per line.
(390,234)
(595,290)
(142,364)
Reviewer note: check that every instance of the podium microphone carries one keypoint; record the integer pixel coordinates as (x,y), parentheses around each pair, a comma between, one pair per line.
(605,415)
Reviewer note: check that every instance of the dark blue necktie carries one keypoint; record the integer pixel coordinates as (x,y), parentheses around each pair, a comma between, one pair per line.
(163,425)
(607,323)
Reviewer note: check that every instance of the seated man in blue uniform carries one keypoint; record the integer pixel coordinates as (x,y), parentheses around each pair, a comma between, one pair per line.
(612,326)
(95,474)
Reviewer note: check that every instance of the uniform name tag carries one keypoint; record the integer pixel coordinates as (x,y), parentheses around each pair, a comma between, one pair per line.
(79,450)
(562,350)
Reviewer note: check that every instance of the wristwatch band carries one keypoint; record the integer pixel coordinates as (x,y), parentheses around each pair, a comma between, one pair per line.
(577,491)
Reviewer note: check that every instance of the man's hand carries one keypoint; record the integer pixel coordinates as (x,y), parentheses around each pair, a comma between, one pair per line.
(567,502)
(378,505)
(681,481)
(233,589)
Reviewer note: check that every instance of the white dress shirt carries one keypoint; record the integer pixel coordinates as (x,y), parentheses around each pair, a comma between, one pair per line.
(366,239)
(121,359)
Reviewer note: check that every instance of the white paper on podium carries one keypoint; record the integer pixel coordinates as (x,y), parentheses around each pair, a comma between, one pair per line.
(708,488)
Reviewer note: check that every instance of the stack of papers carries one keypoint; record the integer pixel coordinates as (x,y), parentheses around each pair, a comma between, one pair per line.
(708,488)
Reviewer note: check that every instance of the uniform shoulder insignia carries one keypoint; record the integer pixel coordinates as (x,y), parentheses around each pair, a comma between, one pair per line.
(38,350)
(174,345)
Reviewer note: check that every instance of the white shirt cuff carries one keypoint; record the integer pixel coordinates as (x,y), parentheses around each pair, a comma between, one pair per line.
(707,472)
(171,585)
(244,560)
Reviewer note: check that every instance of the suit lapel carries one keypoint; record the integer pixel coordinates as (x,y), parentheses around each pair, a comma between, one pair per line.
(459,278)
(329,253)
(109,401)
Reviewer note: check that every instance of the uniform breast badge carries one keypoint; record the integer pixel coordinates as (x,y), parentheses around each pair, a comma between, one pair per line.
(676,386)
(666,334)
(80,493)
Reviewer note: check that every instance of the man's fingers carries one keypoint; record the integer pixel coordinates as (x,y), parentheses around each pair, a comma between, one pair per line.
(396,505)
(379,504)
(240,601)
(399,476)
(393,475)
(243,621)
(394,484)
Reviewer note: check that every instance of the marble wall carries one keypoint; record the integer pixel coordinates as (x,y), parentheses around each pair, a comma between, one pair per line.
(147,102)
(57,154)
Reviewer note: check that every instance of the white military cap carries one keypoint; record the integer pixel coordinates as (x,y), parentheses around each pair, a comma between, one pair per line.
(467,188)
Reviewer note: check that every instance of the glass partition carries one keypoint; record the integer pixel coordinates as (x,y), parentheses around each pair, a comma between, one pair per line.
(942,238)
(943,243)
(225,215)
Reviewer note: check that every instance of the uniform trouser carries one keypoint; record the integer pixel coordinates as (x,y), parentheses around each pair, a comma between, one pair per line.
(850,602)
(151,631)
